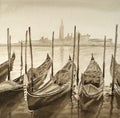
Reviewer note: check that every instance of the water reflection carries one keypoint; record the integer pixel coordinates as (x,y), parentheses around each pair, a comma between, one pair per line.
(16,107)
(62,54)
(111,106)
(8,103)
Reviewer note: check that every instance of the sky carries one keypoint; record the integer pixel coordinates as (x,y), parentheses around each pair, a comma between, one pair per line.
(94,17)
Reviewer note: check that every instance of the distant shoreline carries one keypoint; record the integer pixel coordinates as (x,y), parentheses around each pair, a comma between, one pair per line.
(82,45)
(4,45)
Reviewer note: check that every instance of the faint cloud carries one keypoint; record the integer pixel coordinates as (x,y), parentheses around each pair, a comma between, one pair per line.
(7,6)
(94,4)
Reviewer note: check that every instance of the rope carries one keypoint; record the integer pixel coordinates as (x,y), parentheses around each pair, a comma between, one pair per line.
(25,92)
(117,88)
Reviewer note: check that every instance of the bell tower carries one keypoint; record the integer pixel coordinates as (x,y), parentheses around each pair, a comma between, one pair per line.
(61,31)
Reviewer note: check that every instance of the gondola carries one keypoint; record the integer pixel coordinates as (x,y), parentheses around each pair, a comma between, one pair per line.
(4,68)
(91,85)
(39,74)
(10,88)
(58,88)
(116,80)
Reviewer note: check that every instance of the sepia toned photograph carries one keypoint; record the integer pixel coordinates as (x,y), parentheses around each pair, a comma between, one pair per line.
(59,59)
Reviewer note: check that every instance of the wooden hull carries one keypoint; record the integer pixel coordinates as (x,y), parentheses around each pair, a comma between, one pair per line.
(58,88)
(3,76)
(8,94)
(116,80)
(89,104)
(87,97)
(39,102)
(19,80)
(117,100)
(117,95)
(4,68)
(91,86)
(54,108)
(37,76)
(14,88)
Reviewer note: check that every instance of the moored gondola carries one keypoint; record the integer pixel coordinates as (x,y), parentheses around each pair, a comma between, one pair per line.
(115,73)
(91,86)
(4,68)
(116,80)
(58,88)
(11,86)
(39,74)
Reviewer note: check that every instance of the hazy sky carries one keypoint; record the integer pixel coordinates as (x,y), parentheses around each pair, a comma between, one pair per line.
(94,17)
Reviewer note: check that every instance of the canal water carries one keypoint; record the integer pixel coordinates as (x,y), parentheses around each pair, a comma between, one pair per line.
(16,107)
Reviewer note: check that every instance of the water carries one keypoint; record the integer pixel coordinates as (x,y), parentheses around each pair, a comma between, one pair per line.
(16,107)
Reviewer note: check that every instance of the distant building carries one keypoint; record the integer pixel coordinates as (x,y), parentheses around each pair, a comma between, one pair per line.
(68,37)
(100,42)
(61,31)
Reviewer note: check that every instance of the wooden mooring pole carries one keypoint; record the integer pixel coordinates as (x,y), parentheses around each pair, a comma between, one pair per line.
(21,59)
(8,49)
(114,65)
(52,69)
(31,54)
(104,53)
(25,83)
(74,43)
(10,44)
(78,53)
(26,35)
